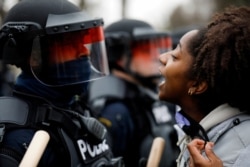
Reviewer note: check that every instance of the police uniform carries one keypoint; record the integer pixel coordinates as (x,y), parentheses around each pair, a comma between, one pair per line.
(58,48)
(134,117)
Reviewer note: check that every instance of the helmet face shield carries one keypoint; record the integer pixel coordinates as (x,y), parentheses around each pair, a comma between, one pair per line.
(64,57)
(146,52)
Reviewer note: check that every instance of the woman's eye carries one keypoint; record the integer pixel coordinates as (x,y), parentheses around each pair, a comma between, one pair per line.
(173,56)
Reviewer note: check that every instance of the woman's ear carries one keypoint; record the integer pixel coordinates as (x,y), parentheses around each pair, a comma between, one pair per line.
(200,87)
(197,88)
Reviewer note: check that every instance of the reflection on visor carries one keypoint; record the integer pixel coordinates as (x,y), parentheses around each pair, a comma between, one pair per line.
(151,48)
(70,72)
(74,71)
(69,58)
(72,45)
(145,55)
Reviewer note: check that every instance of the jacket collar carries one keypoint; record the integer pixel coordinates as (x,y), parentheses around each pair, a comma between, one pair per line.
(218,115)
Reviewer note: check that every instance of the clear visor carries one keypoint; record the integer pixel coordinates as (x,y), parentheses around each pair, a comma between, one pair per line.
(70,57)
(145,55)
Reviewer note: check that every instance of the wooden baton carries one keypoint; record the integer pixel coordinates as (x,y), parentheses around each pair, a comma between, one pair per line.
(156,152)
(35,149)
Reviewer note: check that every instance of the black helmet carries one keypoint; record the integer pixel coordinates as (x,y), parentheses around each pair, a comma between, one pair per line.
(119,36)
(55,41)
(140,43)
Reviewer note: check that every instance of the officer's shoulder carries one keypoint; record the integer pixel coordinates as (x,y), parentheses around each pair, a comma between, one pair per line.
(110,86)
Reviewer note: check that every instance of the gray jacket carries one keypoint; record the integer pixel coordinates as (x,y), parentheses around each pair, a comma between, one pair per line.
(229,129)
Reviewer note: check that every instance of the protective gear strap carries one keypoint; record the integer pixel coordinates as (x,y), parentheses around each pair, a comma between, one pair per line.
(48,115)
(10,111)
(16,112)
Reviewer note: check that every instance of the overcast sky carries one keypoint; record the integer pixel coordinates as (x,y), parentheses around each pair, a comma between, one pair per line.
(152,11)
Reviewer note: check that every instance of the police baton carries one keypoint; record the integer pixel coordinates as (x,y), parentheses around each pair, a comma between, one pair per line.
(156,152)
(35,149)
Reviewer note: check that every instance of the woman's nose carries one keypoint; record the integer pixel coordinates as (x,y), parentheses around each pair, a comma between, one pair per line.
(163,58)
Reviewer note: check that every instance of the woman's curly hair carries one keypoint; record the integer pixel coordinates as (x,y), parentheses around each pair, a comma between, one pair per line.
(222,57)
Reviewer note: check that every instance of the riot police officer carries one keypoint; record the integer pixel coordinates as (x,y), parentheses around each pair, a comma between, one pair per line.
(127,101)
(59,49)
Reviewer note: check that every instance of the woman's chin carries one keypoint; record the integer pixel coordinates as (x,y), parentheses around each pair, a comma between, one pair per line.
(160,95)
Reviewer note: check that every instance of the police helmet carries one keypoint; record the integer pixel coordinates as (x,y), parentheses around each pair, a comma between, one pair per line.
(55,41)
(140,43)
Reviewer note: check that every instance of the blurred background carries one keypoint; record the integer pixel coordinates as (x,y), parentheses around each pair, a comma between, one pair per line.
(173,16)
(167,15)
